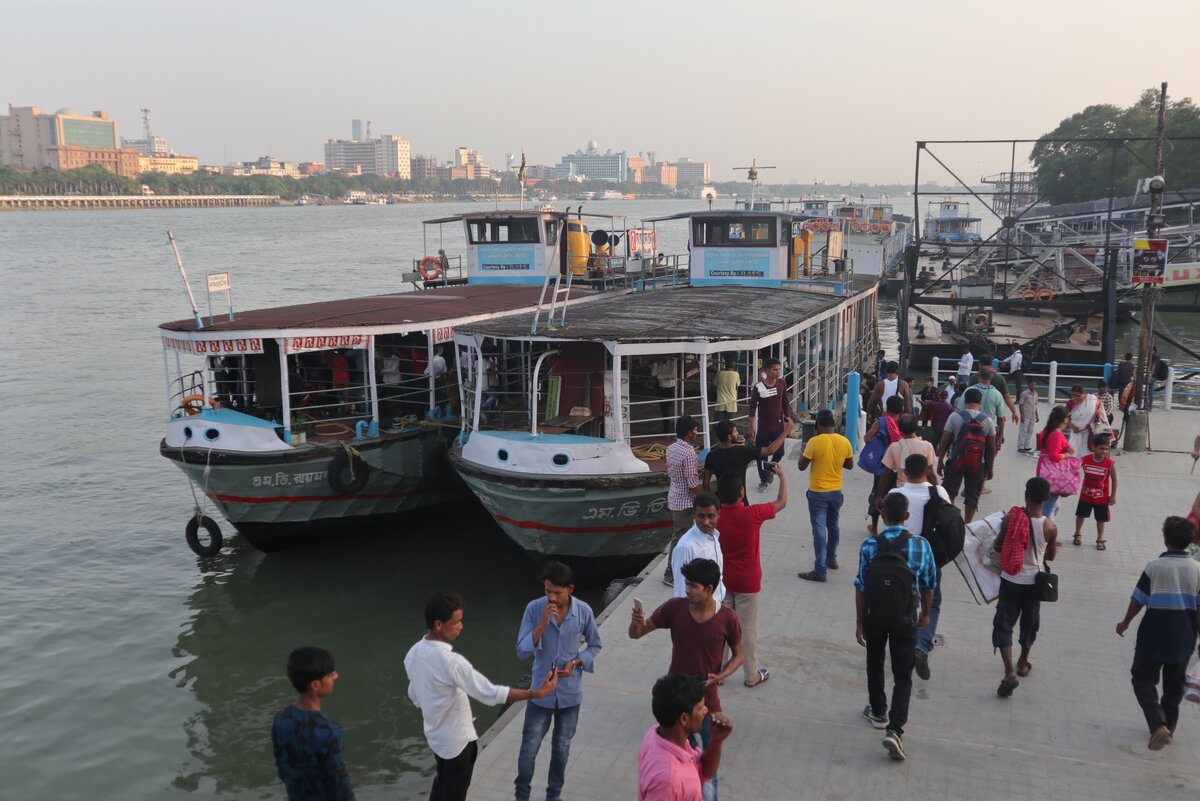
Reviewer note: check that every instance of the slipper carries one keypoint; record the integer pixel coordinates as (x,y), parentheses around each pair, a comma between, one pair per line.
(1078,540)
(986,491)
(1025,672)
(1101,546)
(1007,686)
(763,675)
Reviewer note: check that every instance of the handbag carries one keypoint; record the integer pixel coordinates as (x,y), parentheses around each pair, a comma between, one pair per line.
(1047,585)
(1064,476)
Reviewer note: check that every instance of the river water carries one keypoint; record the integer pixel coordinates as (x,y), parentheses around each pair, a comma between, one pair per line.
(131,670)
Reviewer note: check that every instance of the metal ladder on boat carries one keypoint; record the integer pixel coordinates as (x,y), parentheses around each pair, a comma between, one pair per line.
(559,294)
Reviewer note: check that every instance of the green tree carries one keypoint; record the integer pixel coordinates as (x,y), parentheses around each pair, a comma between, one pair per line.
(1073,170)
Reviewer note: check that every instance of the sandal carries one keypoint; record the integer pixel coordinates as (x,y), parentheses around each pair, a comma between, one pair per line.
(1024,672)
(1101,545)
(763,675)
(1007,686)
(1078,540)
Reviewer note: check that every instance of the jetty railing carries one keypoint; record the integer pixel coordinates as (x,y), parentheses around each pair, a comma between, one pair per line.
(1182,387)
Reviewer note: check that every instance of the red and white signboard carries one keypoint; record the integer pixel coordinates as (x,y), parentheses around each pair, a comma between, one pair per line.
(642,242)
(307,344)
(214,347)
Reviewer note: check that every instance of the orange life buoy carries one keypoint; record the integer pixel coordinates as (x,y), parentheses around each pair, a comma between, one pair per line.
(1044,294)
(192,404)
(1028,294)
(981,320)
(856,227)
(885,228)
(428,274)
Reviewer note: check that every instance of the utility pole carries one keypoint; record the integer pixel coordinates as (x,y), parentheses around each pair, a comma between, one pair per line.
(1154,224)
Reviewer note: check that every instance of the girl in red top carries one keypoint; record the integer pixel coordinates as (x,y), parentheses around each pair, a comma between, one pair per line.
(1099,490)
(1053,446)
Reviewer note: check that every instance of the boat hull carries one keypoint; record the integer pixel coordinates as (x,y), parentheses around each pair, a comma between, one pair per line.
(602,524)
(283,498)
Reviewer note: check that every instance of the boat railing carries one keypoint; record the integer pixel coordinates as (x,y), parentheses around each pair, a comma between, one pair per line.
(620,272)
(450,269)
(186,386)
(1182,387)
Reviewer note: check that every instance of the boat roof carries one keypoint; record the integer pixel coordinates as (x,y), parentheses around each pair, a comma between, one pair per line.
(722,213)
(401,312)
(940,218)
(495,214)
(689,314)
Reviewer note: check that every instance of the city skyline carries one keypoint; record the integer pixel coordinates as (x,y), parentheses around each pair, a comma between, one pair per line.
(860,92)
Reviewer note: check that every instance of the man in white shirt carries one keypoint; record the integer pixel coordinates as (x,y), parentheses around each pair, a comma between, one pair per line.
(965,365)
(702,541)
(439,683)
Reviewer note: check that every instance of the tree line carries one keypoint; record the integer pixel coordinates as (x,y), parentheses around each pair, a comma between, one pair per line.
(1071,171)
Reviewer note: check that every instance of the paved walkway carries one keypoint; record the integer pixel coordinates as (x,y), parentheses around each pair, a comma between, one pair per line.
(1072,730)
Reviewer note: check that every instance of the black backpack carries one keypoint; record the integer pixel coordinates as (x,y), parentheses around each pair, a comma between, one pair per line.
(890,600)
(943,527)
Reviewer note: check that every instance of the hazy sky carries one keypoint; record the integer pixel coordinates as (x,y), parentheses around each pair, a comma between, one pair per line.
(829,91)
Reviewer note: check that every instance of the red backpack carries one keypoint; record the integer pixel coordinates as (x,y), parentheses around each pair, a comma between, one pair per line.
(970,446)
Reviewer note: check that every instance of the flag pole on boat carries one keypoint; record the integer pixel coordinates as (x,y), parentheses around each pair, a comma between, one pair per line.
(186,285)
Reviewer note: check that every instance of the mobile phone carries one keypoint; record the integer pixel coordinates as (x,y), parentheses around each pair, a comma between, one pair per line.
(637,604)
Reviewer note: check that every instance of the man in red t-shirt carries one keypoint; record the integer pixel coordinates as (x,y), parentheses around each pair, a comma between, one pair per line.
(700,629)
(740,533)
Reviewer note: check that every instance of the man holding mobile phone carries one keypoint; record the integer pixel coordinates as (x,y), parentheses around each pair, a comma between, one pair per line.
(551,630)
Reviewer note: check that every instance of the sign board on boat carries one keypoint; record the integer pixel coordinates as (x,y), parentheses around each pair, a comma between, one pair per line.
(1149,261)
(218,282)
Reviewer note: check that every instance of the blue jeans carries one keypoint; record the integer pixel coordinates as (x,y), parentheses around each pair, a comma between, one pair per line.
(537,723)
(702,739)
(824,509)
(761,440)
(1048,506)
(925,635)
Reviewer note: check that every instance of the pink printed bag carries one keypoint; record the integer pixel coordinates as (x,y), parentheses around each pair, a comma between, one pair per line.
(1065,475)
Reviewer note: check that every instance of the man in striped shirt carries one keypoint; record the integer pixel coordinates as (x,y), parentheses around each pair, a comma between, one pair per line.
(684,472)
(1169,589)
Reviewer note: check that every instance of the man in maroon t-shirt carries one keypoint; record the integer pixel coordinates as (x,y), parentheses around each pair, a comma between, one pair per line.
(700,629)
(740,532)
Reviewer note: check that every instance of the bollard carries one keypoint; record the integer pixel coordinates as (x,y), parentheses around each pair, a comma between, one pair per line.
(1170,387)
(1053,384)
(853,405)
(936,368)
(1137,431)
(1108,373)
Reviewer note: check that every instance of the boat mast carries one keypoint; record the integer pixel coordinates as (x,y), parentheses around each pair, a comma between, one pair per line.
(186,285)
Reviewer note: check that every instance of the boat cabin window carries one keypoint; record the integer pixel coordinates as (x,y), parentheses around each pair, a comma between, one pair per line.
(734,233)
(503,231)
(551,233)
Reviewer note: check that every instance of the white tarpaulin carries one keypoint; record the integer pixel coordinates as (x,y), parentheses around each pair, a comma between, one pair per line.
(979,566)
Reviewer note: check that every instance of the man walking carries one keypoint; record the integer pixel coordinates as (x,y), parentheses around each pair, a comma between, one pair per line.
(891,385)
(1169,590)
(770,409)
(551,630)
(728,458)
(741,531)
(1028,404)
(684,473)
(439,684)
(1026,541)
(970,442)
(829,453)
(896,576)
(701,541)
(670,768)
(701,628)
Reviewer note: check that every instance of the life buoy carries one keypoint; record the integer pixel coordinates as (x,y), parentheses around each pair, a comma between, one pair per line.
(192,534)
(856,227)
(826,225)
(348,473)
(192,404)
(1028,294)
(981,320)
(876,228)
(1044,294)
(424,268)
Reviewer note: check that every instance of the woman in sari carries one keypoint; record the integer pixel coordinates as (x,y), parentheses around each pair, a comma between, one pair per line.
(1082,410)
(1053,448)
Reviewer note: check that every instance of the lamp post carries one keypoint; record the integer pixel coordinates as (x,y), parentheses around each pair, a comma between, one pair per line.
(1150,292)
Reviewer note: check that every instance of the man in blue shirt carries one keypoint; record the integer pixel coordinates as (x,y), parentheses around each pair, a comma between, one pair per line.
(552,630)
(1169,589)
(896,570)
(308,745)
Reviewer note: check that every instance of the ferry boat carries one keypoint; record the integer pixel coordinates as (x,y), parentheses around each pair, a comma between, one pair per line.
(577,471)
(300,420)
(949,223)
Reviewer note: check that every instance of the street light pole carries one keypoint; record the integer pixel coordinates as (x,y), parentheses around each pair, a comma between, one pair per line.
(1150,292)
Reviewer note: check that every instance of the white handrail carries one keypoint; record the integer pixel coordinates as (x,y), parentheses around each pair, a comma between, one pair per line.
(533,392)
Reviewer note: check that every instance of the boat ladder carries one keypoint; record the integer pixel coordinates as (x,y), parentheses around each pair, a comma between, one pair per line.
(559,294)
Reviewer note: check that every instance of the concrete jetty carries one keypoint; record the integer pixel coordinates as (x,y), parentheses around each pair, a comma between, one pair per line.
(77,202)
(1072,729)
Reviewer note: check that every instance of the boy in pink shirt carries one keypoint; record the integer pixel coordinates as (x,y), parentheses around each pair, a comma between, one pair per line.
(670,768)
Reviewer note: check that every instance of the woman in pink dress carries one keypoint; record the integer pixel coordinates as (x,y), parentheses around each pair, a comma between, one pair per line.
(1053,447)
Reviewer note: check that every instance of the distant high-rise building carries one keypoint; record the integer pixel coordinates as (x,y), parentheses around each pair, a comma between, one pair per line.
(351,155)
(423,167)
(635,165)
(693,173)
(356,131)
(394,157)
(661,173)
(153,146)
(593,164)
(465,156)
(30,139)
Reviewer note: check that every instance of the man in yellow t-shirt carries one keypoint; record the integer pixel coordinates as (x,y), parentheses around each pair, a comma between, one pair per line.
(829,453)
(728,380)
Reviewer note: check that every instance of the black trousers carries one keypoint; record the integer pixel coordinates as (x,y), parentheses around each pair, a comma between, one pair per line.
(1016,602)
(1145,673)
(901,642)
(453,777)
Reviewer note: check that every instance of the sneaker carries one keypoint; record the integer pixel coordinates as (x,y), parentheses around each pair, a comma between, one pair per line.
(831,564)
(669,579)
(1160,739)
(811,575)
(921,664)
(878,721)
(893,741)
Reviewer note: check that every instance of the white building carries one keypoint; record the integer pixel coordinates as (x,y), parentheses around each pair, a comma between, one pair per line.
(394,157)
(388,155)
(154,146)
(594,165)
(465,156)
(693,173)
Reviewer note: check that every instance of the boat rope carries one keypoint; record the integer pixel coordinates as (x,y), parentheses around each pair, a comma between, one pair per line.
(650,453)
(198,503)
(351,453)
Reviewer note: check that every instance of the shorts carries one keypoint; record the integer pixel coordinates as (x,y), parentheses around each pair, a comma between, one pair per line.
(1084,509)
(971,483)
(1017,602)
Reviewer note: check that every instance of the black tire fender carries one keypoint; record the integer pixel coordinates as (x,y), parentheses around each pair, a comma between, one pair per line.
(348,473)
(215,540)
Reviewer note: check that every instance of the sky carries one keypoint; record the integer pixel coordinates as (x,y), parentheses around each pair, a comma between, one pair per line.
(832,92)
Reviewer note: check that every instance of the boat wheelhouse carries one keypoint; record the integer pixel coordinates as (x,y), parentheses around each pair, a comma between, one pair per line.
(566,447)
(299,420)
(949,222)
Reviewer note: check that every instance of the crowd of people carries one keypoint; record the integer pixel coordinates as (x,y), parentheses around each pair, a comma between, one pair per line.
(714,568)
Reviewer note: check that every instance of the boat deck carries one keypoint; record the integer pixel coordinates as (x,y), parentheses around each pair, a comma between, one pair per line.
(1009,327)
(1072,730)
